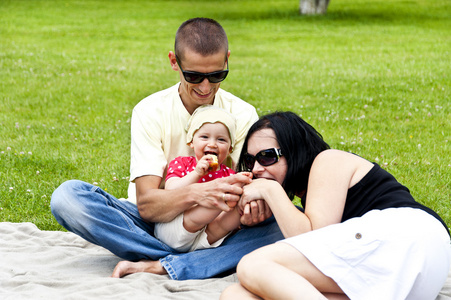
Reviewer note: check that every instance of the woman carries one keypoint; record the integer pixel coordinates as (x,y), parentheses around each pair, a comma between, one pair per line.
(362,235)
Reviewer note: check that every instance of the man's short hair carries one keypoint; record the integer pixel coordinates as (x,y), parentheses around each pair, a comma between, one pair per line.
(202,35)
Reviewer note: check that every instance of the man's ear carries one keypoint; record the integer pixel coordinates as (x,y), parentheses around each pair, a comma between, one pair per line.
(173,61)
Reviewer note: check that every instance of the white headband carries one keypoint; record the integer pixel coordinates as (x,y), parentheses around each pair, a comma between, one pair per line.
(210,114)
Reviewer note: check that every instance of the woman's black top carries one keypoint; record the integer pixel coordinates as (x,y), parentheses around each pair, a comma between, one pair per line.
(378,189)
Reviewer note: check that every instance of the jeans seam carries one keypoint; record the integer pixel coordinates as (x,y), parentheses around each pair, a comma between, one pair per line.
(169,268)
(124,207)
(109,201)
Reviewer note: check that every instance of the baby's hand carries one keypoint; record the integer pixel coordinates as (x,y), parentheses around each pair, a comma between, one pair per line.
(203,165)
(247,174)
(234,203)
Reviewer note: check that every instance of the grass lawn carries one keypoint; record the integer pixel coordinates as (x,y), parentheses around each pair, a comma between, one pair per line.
(372,76)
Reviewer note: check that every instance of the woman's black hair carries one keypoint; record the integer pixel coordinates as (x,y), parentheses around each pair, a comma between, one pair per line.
(299,142)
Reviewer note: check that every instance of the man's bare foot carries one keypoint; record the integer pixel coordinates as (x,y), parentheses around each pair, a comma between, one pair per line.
(126,267)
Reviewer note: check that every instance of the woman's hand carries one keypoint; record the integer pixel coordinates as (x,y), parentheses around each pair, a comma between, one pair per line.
(255,212)
(256,190)
(252,205)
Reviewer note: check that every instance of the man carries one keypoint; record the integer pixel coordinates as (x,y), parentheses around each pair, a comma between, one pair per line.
(158,135)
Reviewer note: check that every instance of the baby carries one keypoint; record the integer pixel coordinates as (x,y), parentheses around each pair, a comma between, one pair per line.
(211,134)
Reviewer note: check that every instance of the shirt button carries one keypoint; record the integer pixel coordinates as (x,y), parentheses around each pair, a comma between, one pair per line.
(358,236)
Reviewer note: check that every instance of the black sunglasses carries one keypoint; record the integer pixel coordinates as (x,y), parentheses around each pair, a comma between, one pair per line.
(197,77)
(265,158)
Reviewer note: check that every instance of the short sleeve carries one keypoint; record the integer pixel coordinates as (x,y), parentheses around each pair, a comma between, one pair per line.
(180,167)
(147,156)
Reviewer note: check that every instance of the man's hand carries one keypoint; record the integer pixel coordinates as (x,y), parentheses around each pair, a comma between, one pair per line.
(215,193)
(240,184)
(158,205)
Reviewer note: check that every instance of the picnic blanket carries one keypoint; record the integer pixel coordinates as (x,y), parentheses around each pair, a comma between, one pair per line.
(37,264)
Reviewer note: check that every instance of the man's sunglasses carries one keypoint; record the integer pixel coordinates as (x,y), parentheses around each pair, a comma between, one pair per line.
(265,158)
(197,77)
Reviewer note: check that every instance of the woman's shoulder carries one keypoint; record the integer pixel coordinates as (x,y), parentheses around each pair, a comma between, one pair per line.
(332,158)
(343,162)
(334,154)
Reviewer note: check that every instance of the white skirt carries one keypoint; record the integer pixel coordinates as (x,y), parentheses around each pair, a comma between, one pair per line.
(396,253)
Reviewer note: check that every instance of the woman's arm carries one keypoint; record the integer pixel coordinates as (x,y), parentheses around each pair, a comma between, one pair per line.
(333,172)
(291,221)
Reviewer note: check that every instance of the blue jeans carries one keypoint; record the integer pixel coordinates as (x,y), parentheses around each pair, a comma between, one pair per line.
(116,225)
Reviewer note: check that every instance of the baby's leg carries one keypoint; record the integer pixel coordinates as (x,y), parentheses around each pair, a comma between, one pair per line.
(196,218)
(222,225)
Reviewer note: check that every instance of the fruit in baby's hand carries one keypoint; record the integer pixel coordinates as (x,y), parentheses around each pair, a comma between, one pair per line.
(213,163)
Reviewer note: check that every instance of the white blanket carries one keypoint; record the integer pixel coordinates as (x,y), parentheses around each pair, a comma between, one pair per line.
(37,264)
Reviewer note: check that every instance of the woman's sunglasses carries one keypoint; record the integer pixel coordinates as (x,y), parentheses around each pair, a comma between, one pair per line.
(265,158)
(197,77)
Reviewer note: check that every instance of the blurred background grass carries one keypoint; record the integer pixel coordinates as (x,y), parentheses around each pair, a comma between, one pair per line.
(372,76)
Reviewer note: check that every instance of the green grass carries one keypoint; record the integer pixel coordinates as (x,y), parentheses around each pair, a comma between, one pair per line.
(372,76)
